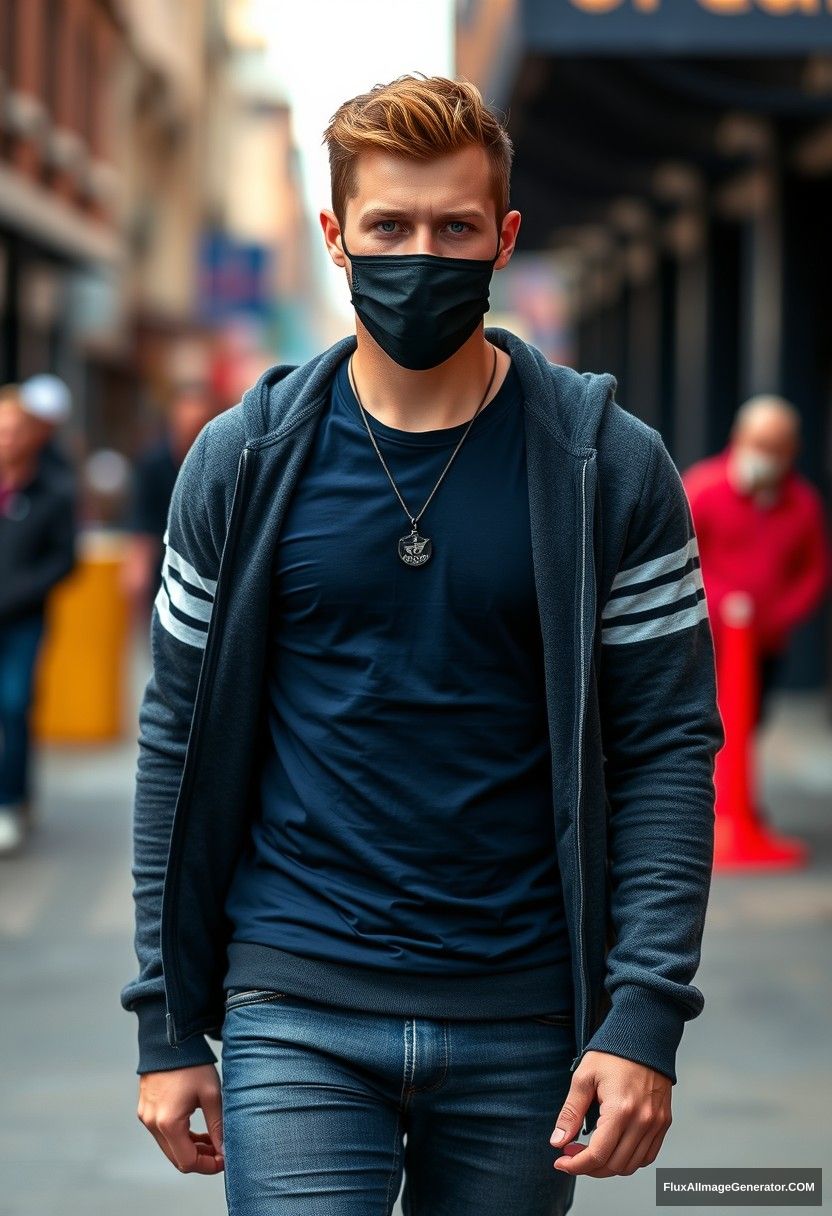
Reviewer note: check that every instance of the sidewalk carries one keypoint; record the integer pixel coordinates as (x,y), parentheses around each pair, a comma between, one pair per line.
(796,745)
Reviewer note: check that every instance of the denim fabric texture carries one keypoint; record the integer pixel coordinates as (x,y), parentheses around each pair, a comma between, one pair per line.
(326,1110)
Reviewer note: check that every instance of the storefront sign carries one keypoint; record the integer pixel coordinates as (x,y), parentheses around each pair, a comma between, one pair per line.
(678,26)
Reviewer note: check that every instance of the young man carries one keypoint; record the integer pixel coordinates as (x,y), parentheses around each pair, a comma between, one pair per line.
(438,732)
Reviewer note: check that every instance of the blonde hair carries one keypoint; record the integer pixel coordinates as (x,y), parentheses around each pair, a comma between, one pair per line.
(421,117)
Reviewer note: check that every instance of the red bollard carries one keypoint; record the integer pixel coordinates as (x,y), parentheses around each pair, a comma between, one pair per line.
(741,841)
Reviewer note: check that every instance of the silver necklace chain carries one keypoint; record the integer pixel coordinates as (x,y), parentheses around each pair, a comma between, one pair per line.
(415,550)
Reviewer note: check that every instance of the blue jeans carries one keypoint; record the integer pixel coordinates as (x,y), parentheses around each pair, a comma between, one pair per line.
(317,1100)
(19,643)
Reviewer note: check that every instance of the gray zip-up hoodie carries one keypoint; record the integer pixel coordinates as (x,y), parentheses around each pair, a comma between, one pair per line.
(630,688)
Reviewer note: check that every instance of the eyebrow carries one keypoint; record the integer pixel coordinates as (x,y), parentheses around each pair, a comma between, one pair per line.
(397,213)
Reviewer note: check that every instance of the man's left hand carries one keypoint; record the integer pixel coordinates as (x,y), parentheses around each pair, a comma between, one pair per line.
(634,1105)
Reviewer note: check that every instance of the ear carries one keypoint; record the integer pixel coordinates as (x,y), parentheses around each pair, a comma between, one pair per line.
(332,231)
(508,233)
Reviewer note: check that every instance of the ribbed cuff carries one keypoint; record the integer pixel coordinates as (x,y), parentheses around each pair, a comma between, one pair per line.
(641,1026)
(155,1052)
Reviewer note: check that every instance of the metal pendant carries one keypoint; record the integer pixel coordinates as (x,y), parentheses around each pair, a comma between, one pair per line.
(415,550)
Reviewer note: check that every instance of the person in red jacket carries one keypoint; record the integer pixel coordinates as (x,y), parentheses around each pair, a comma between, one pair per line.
(761,531)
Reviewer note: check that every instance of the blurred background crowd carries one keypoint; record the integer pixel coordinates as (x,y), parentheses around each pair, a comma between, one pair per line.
(161,173)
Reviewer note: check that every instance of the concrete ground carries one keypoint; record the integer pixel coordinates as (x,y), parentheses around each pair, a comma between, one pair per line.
(754,1069)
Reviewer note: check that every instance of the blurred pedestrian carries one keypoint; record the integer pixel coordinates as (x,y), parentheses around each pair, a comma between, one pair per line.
(37,550)
(191,405)
(762,537)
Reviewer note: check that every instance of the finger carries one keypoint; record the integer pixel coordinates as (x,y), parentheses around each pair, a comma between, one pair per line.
(162,1140)
(572,1150)
(639,1156)
(604,1142)
(210,1099)
(203,1138)
(205,1148)
(208,1161)
(655,1145)
(200,1148)
(204,1143)
(175,1133)
(573,1112)
(182,1142)
(204,1158)
(633,1138)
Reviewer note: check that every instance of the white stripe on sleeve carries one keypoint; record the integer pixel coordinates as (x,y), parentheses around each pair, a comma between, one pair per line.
(182,599)
(655,597)
(189,574)
(179,630)
(656,566)
(655,626)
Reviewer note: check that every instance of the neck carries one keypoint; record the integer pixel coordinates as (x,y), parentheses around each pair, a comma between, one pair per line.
(440,397)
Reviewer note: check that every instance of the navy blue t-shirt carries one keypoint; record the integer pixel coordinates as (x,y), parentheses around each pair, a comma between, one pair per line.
(405,821)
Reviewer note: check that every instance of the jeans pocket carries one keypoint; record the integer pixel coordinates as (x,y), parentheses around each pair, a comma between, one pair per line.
(554,1019)
(236,997)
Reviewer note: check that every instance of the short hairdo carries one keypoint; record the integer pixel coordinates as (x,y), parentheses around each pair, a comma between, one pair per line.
(421,117)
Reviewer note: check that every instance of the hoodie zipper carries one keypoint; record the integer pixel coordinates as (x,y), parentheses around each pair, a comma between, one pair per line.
(209,660)
(579,798)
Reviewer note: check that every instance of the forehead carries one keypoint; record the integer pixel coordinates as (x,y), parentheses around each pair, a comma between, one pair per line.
(767,424)
(455,180)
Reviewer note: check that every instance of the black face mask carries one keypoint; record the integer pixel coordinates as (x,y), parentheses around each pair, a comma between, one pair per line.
(420,307)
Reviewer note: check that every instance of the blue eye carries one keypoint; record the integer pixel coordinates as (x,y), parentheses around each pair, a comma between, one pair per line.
(393,222)
(459,224)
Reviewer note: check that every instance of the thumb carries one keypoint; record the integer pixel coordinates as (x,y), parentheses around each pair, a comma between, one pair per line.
(573,1112)
(211,1103)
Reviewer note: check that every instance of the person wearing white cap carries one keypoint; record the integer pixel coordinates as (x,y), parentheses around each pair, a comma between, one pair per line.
(46,398)
(37,550)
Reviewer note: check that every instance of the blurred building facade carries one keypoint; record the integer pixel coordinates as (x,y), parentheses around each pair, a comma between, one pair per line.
(257,218)
(124,133)
(677,163)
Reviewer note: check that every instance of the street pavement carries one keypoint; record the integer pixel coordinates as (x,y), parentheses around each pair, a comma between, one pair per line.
(754,1069)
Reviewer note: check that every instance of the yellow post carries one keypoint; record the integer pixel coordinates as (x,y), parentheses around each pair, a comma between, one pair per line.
(80,683)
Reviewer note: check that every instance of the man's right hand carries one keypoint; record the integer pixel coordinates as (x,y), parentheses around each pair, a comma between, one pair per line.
(166,1102)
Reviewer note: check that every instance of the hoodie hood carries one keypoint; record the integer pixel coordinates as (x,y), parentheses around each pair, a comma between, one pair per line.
(570,404)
